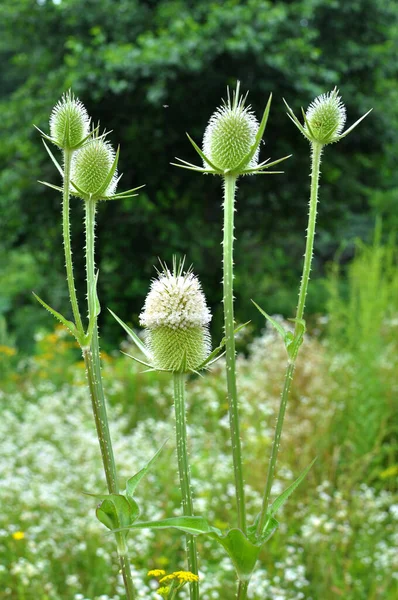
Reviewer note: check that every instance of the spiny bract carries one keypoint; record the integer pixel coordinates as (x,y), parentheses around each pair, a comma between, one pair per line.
(326,117)
(176,317)
(69,122)
(230,135)
(91,165)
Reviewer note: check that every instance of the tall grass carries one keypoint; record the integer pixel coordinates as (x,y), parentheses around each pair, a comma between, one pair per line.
(362,335)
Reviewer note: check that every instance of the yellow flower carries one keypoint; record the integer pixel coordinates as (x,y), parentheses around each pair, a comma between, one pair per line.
(51,338)
(106,357)
(389,472)
(182,576)
(18,535)
(7,350)
(163,591)
(156,573)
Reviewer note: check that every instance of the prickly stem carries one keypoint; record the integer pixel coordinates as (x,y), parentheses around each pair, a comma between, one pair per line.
(315,173)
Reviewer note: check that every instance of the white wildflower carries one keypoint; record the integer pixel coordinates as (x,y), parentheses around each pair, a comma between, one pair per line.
(176,301)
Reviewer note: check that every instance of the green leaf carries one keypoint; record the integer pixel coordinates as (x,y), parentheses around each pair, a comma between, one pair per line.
(257,141)
(123,195)
(100,191)
(183,364)
(309,126)
(141,362)
(354,125)
(116,512)
(87,138)
(68,324)
(79,190)
(140,345)
(192,525)
(193,167)
(202,155)
(270,527)
(219,348)
(50,185)
(94,311)
(242,552)
(280,501)
(261,168)
(295,120)
(44,135)
(53,159)
(293,342)
(277,325)
(135,480)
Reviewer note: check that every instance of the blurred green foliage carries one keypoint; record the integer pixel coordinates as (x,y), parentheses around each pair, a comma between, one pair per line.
(151,71)
(362,310)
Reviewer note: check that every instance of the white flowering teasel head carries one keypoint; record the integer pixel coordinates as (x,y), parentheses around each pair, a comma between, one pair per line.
(69,123)
(324,119)
(176,318)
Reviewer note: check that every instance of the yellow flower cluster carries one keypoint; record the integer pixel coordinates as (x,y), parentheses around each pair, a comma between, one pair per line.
(156,573)
(7,350)
(18,535)
(181,576)
(177,579)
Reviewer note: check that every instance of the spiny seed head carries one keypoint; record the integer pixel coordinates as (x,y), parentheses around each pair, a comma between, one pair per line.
(230,134)
(326,117)
(90,168)
(69,122)
(176,318)
(171,348)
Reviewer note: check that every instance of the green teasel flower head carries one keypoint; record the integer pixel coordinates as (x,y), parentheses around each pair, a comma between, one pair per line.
(231,142)
(230,134)
(94,170)
(324,119)
(69,123)
(176,319)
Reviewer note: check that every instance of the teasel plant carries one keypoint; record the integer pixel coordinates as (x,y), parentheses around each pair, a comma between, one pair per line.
(323,124)
(231,146)
(89,172)
(177,340)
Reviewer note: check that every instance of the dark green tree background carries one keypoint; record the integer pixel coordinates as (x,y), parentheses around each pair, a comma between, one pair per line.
(151,71)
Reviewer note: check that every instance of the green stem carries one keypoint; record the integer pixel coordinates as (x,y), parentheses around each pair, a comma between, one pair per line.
(173,595)
(184,473)
(242,590)
(315,172)
(229,201)
(91,357)
(67,242)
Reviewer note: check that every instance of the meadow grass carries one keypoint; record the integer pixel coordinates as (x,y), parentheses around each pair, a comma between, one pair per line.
(337,536)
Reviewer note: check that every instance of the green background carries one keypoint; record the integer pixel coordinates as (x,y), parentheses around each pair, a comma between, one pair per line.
(151,71)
